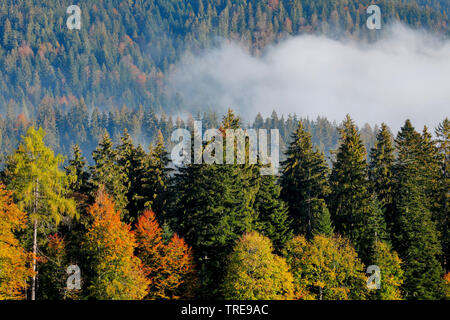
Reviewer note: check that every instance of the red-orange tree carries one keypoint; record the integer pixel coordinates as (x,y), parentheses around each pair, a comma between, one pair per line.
(116,273)
(169,267)
(15,266)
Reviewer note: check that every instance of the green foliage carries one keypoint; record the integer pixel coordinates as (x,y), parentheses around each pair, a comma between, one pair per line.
(213,207)
(304,183)
(443,185)
(415,237)
(254,273)
(350,201)
(37,182)
(77,172)
(108,173)
(392,276)
(380,171)
(155,182)
(326,269)
(272,212)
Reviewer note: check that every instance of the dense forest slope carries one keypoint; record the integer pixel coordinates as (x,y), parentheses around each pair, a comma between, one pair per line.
(125,49)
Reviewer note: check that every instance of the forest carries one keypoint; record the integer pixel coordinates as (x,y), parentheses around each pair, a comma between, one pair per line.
(93,208)
(125,49)
(136,227)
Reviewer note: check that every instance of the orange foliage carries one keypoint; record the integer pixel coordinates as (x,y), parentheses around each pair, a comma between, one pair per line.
(21,121)
(447,285)
(169,267)
(118,273)
(273,4)
(15,266)
(25,50)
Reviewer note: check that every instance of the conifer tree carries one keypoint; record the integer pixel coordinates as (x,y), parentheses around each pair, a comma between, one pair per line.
(77,173)
(350,199)
(321,224)
(106,172)
(132,161)
(304,182)
(443,140)
(380,171)
(213,208)
(272,212)
(415,233)
(156,179)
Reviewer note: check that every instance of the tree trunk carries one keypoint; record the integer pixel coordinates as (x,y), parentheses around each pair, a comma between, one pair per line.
(33,281)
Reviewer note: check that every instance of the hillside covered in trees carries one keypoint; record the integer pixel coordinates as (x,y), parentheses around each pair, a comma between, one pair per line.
(125,49)
(92,206)
(136,227)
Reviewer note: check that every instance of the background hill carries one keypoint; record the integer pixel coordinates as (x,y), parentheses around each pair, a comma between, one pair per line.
(120,58)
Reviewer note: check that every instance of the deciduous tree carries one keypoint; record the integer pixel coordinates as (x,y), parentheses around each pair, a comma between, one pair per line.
(254,272)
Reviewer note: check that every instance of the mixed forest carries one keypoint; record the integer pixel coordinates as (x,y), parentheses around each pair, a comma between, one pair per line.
(138,227)
(87,182)
(68,80)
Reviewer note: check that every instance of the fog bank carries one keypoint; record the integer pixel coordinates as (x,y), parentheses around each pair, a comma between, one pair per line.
(405,74)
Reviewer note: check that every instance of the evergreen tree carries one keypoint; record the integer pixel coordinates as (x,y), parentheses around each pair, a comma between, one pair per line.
(77,173)
(132,161)
(380,171)
(321,220)
(415,236)
(213,208)
(350,199)
(443,139)
(304,182)
(106,172)
(156,179)
(272,212)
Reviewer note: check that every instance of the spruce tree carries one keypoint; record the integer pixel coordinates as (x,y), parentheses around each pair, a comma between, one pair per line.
(304,182)
(156,178)
(349,200)
(443,140)
(321,222)
(133,162)
(77,173)
(415,233)
(380,171)
(213,207)
(106,172)
(273,218)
